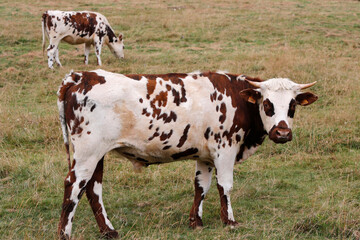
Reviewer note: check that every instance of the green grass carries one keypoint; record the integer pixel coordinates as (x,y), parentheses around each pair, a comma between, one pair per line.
(305,189)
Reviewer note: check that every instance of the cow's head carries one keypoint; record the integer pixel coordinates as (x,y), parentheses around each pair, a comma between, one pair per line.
(277,99)
(116,46)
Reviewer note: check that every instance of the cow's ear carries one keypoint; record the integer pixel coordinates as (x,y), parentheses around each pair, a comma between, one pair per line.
(120,37)
(250,95)
(306,98)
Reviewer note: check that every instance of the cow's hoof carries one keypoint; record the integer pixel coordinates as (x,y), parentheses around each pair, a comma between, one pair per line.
(110,234)
(63,236)
(196,223)
(232,224)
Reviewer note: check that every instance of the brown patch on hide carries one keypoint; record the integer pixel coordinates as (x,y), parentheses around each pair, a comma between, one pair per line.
(47,20)
(172,78)
(150,86)
(292,107)
(76,129)
(206,134)
(86,81)
(213,96)
(82,83)
(161,99)
(134,76)
(110,33)
(223,111)
(268,108)
(165,136)
(84,23)
(166,147)
(185,153)
(246,114)
(184,136)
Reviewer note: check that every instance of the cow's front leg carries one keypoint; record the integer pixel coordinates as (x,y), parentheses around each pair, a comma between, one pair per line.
(98,45)
(75,184)
(202,183)
(51,51)
(87,51)
(94,195)
(224,175)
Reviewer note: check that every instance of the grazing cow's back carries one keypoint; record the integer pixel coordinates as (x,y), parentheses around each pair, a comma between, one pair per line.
(214,118)
(91,28)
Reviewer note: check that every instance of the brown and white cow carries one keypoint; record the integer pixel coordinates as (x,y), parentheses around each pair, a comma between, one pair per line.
(217,119)
(91,28)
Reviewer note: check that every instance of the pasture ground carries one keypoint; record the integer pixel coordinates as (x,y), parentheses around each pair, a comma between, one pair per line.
(306,189)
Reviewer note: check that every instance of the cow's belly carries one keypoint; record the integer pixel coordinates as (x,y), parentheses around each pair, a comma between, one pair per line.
(76,40)
(145,158)
(162,143)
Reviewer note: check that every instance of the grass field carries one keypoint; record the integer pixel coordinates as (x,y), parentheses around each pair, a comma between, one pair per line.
(306,189)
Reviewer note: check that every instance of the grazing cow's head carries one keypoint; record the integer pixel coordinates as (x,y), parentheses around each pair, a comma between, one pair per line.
(116,46)
(277,99)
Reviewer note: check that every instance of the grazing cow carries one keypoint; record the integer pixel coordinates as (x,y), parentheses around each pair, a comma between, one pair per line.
(217,119)
(90,28)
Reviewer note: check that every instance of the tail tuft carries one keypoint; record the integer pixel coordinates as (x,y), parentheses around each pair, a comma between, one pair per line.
(43,26)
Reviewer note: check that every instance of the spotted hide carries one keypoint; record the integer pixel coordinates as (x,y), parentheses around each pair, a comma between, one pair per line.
(90,28)
(217,119)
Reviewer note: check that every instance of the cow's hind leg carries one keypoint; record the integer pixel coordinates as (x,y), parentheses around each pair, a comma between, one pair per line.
(202,185)
(75,184)
(87,51)
(98,45)
(94,195)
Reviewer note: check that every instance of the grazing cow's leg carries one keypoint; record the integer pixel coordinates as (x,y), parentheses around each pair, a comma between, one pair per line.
(224,165)
(98,45)
(57,57)
(87,51)
(51,52)
(202,185)
(75,184)
(94,195)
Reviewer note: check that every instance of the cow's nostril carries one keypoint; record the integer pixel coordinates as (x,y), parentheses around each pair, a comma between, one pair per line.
(282,133)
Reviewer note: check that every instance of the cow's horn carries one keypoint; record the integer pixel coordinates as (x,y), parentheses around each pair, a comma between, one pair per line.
(306,85)
(255,84)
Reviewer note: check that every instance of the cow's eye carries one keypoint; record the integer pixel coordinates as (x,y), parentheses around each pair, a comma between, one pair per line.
(268,108)
(292,107)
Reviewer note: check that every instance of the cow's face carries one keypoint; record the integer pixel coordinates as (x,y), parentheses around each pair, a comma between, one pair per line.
(117,46)
(277,99)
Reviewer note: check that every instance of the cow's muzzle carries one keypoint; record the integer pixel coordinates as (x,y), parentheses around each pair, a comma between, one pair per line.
(280,133)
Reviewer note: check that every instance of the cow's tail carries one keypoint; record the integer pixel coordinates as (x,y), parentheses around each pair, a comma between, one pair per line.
(43,25)
(67,82)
